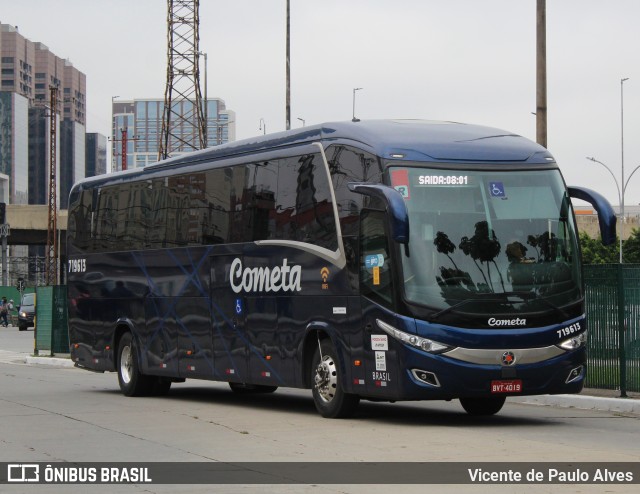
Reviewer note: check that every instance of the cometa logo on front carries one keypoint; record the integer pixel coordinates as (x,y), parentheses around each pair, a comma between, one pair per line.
(265,279)
(506,322)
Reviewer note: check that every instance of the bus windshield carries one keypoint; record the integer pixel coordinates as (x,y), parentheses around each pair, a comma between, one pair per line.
(488,242)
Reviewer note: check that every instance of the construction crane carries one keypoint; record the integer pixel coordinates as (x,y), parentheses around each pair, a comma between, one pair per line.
(183,122)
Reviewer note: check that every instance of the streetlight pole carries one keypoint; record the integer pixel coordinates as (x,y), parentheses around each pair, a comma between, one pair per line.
(622,161)
(263,126)
(354,119)
(621,192)
(302,120)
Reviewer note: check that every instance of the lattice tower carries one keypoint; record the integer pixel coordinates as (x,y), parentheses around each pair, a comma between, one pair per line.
(183,123)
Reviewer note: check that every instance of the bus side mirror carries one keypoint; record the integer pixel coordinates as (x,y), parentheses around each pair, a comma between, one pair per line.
(396,207)
(606,215)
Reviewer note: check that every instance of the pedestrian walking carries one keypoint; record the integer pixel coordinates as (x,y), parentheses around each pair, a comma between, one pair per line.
(4,312)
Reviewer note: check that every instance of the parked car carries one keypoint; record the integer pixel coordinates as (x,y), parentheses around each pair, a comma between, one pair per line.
(26,311)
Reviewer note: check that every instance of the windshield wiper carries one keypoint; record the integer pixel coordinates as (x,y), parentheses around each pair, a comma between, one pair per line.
(556,307)
(492,297)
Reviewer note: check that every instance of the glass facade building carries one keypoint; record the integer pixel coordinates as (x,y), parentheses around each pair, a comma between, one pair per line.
(138,124)
(14,145)
(72,168)
(28,72)
(95,154)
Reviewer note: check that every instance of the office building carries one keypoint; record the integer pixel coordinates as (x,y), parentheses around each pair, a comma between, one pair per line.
(28,72)
(137,128)
(14,146)
(95,154)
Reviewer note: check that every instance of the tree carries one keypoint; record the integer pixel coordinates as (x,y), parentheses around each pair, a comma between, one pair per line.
(631,247)
(593,252)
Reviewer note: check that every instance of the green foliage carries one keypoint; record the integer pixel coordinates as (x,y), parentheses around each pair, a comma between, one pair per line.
(631,247)
(593,252)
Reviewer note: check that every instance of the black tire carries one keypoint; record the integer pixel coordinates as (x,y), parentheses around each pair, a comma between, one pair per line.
(160,386)
(482,406)
(330,399)
(241,388)
(22,328)
(132,381)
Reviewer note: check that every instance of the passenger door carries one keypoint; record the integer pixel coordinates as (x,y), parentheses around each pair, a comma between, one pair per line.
(378,301)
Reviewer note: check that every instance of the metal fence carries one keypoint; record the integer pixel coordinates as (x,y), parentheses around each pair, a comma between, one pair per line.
(51,331)
(613,319)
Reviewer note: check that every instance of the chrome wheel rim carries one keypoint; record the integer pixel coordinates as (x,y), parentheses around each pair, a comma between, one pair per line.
(326,378)
(126,364)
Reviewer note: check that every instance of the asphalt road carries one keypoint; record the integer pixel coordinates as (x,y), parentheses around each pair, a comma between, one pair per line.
(61,414)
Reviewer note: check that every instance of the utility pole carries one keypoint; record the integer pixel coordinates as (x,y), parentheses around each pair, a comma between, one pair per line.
(4,233)
(124,140)
(123,150)
(51,258)
(288,97)
(541,72)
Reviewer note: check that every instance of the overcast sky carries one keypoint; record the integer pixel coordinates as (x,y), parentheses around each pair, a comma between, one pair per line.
(469,61)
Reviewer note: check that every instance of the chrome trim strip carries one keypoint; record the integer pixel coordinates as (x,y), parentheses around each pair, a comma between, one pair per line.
(494,356)
(337,257)
(334,257)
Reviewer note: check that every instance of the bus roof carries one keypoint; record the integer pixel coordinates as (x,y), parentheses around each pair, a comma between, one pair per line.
(401,140)
(415,140)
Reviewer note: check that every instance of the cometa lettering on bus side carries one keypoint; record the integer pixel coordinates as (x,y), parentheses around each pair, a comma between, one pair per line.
(286,278)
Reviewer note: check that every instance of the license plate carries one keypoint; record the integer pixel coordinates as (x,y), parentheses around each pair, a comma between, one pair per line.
(513,386)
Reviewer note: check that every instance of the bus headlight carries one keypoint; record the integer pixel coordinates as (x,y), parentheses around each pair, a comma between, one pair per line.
(574,342)
(425,344)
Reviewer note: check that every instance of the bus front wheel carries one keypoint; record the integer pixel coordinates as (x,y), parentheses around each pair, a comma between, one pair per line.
(330,399)
(482,406)
(132,381)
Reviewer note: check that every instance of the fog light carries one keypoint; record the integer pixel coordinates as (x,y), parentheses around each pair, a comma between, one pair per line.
(575,374)
(426,377)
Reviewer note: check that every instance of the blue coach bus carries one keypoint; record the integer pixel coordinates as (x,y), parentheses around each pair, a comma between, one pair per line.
(379,260)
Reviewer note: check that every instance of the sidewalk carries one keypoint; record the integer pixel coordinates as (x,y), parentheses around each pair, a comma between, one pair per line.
(17,347)
(589,399)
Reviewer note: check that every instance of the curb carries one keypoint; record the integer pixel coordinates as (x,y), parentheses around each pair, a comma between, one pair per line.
(583,402)
(52,361)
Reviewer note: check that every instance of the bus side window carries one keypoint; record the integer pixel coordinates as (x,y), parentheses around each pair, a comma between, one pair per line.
(80,219)
(304,206)
(349,164)
(375,261)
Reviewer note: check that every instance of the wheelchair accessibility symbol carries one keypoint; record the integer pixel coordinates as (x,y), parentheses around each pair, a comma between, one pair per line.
(238,306)
(496,189)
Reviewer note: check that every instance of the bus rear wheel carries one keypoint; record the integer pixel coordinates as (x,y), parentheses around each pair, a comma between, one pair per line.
(132,381)
(330,399)
(482,406)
